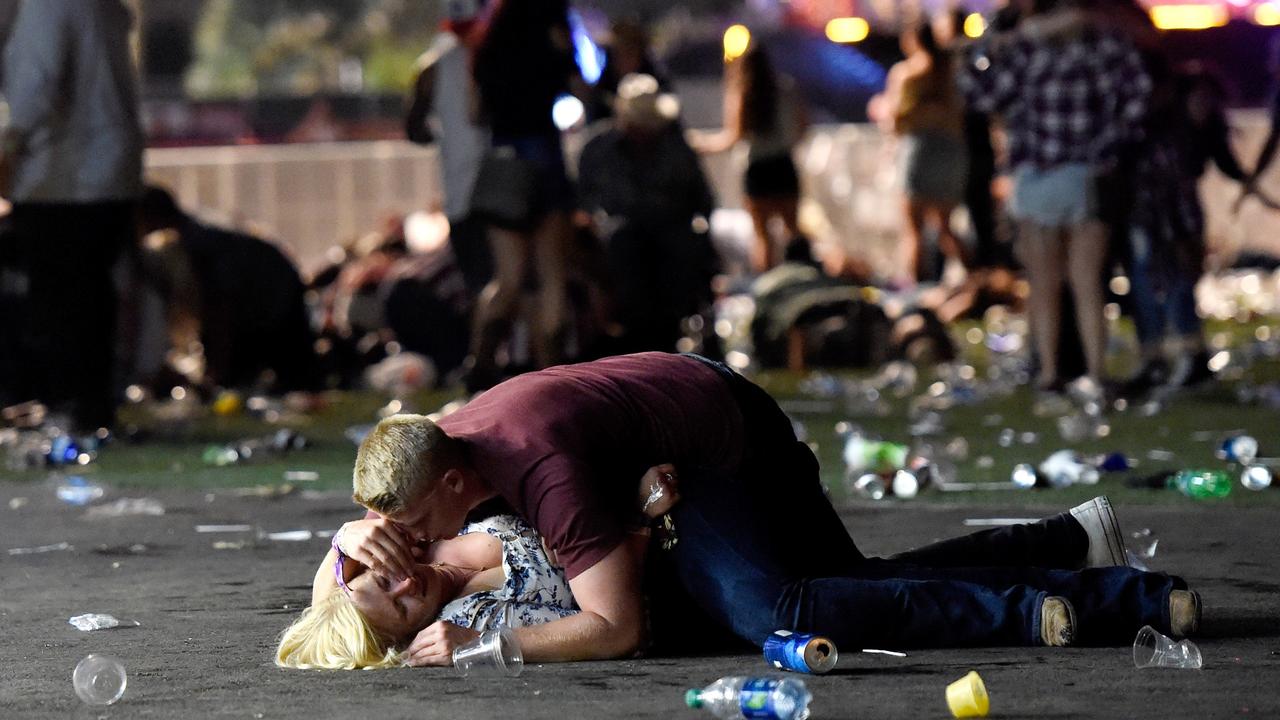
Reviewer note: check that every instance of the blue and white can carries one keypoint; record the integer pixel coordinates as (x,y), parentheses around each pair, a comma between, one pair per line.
(800,652)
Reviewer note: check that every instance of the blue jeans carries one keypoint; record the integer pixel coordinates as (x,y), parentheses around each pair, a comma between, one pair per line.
(1164,295)
(764,550)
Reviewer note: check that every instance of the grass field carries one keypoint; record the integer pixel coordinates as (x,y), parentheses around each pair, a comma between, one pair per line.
(168,453)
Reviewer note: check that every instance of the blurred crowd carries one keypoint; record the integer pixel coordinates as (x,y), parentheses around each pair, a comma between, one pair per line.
(1071,142)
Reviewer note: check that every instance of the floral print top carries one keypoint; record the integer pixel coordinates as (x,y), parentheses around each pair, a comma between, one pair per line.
(535,591)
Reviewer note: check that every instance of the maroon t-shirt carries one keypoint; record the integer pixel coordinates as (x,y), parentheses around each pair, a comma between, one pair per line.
(567,446)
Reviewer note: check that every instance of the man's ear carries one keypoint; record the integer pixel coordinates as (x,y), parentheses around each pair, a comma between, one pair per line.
(453,480)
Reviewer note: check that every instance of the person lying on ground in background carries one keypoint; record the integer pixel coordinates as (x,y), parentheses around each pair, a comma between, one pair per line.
(496,573)
(553,443)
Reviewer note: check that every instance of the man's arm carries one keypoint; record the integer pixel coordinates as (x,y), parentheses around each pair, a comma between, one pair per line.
(611,623)
(415,123)
(35,61)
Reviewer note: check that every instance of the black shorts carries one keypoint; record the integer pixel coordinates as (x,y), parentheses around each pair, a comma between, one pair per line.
(772,176)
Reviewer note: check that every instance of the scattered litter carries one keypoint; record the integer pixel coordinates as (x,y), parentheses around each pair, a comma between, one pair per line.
(125,507)
(17,503)
(39,549)
(1241,449)
(1256,477)
(998,522)
(967,697)
(223,528)
(301,475)
(231,545)
(116,550)
(894,653)
(99,679)
(75,490)
(290,536)
(800,652)
(1151,649)
(1160,455)
(976,486)
(266,491)
(98,621)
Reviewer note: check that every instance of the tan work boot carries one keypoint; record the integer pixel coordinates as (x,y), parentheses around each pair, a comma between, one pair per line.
(1184,613)
(1057,622)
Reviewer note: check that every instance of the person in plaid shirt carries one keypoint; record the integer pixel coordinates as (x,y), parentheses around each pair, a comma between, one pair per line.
(1070,94)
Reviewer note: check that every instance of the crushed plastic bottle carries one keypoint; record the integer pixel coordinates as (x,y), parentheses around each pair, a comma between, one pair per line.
(1201,484)
(75,490)
(760,697)
(862,454)
(99,621)
(866,485)
(1241,449)
(1256,477)
(281,442)
(1065,468)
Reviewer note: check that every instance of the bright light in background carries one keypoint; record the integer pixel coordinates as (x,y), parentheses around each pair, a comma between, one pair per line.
(736,40)
(567,112)
(974,25)
(1188,17)
(1268,14)
(589,56)
(848,30)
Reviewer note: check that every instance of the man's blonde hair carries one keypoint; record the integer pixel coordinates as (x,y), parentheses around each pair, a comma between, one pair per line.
(402,457)
(334,635)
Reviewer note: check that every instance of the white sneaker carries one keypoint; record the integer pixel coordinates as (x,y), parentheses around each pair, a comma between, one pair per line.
(1106,541)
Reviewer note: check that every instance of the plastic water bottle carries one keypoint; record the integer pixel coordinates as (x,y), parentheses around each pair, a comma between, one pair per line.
(879,456)
(1202,484)
(759,697)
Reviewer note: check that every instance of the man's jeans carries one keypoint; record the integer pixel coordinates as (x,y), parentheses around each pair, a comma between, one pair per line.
(765,551)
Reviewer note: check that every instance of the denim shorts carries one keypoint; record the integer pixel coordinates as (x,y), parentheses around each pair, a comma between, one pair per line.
(1060,196)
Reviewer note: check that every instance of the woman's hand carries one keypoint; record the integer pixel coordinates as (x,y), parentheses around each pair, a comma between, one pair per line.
(659,490)
(379,545)
(435,645)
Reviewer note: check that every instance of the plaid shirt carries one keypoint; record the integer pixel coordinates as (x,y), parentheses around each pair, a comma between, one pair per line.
(1075,99)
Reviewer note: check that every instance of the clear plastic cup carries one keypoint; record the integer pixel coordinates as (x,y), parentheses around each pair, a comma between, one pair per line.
(967,697)
(494,653)
(99,679)
(1151,649)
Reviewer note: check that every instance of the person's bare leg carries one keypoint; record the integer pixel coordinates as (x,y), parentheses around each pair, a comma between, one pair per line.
(1086,255)
(550,257)
(913,237)
(499,301)
(947,241)
(762,244)
(1041,253)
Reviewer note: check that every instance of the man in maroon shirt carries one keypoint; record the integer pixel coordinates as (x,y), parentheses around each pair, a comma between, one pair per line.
(758,547)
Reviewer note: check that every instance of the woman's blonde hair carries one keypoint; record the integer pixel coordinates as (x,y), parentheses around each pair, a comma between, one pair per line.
(334,635)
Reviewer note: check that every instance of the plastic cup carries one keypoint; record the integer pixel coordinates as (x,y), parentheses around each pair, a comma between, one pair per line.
(99,679)
(494,653)
(967,697)
(1151,649)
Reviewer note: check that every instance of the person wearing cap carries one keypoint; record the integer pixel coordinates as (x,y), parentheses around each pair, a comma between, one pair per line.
(643,193)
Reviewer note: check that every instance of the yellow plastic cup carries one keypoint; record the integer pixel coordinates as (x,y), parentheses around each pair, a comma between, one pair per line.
(967,697)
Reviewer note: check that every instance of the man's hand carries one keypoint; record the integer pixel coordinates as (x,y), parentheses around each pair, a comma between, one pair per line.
(379,545)
(659,490)
(435,645)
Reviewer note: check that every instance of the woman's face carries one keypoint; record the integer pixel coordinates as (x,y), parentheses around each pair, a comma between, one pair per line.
(398,609)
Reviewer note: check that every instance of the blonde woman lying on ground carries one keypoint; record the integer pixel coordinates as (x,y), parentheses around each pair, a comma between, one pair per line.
(496,573)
